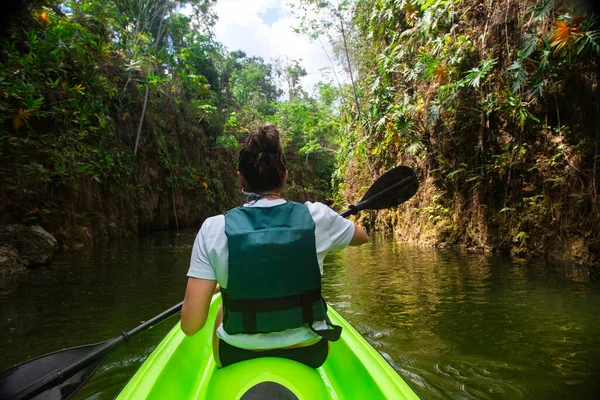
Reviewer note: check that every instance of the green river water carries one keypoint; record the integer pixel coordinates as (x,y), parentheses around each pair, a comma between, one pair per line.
(454,325)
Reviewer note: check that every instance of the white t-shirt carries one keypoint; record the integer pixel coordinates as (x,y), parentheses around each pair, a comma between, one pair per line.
(210,260)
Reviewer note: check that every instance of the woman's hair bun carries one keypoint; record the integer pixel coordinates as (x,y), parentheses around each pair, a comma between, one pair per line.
(264,140)
(262,161)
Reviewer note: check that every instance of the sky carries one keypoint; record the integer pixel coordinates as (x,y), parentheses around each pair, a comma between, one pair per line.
(265,28)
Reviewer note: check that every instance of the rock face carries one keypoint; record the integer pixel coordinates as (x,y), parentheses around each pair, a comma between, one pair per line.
(25,247)
(9,259)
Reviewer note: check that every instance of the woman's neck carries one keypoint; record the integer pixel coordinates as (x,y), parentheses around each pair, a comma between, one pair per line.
(267,195)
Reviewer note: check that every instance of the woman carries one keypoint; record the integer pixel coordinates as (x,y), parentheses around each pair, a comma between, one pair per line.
(267,258)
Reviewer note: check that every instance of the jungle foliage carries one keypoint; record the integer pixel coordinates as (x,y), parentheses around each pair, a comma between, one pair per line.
(495,103)
(127,115)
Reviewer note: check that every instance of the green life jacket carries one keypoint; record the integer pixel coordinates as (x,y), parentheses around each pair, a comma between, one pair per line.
(274,280)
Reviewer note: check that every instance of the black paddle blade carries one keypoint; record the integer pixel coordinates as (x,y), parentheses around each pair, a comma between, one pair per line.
(393,188)
(60,374)
(14,383)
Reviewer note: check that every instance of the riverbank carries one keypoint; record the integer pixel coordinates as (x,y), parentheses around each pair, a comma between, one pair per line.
(467,224)
(108,132)
(495,106)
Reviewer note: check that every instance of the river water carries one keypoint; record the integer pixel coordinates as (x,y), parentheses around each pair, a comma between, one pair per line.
(454,325)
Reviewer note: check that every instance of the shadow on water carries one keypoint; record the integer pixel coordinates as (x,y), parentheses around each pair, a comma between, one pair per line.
(454,325)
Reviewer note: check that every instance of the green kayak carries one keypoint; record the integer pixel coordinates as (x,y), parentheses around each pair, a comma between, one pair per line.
(182,367)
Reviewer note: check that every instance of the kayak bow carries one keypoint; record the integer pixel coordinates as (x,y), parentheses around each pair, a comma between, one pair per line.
(183,367)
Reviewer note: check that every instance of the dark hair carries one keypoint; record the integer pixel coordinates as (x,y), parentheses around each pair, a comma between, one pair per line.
(261,160)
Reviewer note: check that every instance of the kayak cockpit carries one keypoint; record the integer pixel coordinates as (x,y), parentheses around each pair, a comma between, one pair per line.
(183,367)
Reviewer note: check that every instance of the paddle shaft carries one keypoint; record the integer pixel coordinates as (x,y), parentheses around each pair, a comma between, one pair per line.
(159,318)
(103,350)
(365,204)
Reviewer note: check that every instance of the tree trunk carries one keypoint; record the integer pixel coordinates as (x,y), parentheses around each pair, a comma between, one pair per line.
(163,13)
(333,70)
(141,123)
(349,66)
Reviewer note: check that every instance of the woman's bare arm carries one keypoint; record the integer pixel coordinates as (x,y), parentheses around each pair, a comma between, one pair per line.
(196,304)
(360,236)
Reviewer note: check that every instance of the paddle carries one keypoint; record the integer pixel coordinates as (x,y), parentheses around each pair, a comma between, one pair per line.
(60,374)
(391,189)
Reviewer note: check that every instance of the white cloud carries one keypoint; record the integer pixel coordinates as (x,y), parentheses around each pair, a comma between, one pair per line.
(242,26)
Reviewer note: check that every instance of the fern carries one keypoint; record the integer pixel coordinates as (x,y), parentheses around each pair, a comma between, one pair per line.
(529,47)
(476,75)
(454,173)
(537,90)
(589,41)
(518,74)
(415,147)
(541,9)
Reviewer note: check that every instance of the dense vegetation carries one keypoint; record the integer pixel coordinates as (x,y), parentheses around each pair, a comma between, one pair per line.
(127,115)
(495,103)
(124,116)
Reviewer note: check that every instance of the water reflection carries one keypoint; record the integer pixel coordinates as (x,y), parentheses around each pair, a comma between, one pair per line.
(472,326)
(454,325)
(88,296)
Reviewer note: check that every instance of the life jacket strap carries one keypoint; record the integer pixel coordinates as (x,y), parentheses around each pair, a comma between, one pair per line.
(331,335)
(250,307)
(274,304)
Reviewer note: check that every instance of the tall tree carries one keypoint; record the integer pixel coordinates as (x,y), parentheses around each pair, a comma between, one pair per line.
(290,72)
(153,17)
(332,20)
